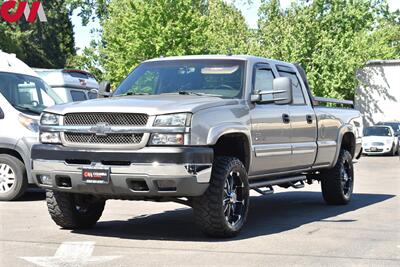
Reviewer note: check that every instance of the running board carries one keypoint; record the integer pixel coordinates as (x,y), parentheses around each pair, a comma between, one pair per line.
(268,183)
(268,191)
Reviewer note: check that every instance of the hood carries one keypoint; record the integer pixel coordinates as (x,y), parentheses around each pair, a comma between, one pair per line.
(381,139)
(149,104)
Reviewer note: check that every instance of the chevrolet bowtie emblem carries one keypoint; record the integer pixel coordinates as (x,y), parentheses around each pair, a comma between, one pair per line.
(101,129)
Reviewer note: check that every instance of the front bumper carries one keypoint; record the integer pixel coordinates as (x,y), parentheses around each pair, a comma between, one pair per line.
(376,150)
(24,146)
(150,172)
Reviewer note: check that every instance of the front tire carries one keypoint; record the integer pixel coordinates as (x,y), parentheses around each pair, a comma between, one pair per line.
(13,178)
(74,211)
(222,210)
(337,183)
(393,151)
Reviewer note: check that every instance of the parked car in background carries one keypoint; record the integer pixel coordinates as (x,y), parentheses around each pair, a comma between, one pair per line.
(23,97)
(380,139)
(71,85)
(395,125)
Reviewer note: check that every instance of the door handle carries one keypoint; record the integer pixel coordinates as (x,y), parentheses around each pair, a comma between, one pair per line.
(309,119)
(1,114)
(285,118)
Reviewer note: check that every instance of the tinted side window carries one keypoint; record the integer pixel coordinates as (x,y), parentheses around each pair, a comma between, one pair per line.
(298,97)
(92,95)
(78,96)
(263,81)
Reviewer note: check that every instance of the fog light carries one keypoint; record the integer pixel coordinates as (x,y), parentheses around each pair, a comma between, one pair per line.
(45,179)
(50,138)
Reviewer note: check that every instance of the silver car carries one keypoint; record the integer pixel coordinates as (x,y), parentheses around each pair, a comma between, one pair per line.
(23,96)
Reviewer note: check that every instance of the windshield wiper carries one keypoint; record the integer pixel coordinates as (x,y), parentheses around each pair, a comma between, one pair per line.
(193,93)
(133,93)
(27,109)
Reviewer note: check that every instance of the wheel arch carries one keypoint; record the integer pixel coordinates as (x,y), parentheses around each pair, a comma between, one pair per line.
(346,140)
(234,144)
(11,152)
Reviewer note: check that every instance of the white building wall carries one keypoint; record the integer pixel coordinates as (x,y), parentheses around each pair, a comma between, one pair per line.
(378,97)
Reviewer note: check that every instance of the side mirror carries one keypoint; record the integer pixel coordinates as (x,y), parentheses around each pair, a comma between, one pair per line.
(282,92)
(1,114)
(104,89)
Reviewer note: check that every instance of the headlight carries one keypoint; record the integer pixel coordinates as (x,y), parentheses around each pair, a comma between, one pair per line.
(50,138)
(172,120)
(49,119)
(167,139)
(28,123)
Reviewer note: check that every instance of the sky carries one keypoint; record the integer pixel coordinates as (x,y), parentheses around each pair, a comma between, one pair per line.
(83,35)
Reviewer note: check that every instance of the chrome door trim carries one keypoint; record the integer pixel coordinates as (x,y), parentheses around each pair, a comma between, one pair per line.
(304,148)
(272,150)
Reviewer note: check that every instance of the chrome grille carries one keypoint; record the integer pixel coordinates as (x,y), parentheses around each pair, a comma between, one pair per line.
(110,139)
(120,119)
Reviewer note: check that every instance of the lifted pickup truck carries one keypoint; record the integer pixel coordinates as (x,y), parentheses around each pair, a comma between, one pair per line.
(197,130)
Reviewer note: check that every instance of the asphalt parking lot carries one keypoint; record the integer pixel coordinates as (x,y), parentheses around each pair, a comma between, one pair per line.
(291,227)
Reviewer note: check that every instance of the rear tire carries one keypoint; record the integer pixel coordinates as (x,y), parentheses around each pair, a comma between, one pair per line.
(222,210)
(74,211)
(337,183)
(13,178)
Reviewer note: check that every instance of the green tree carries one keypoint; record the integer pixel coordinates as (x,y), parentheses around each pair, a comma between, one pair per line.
(136,30)
(332,39)
(44,45)
(227,31)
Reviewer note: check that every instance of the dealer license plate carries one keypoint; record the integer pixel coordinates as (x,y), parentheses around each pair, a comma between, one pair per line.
(96,175)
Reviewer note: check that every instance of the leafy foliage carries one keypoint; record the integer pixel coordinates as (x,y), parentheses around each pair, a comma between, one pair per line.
(148,29)
(44,45)
(332,39)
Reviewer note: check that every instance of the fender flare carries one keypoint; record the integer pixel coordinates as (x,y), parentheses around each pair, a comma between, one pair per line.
(346,128)
(217,131)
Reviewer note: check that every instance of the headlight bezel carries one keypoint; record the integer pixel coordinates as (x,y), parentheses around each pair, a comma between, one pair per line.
(173,120)
(50,119)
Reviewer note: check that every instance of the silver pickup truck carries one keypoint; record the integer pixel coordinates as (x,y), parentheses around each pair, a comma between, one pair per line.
(197,130)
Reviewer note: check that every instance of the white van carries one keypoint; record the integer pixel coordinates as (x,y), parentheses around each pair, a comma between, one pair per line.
(23,96)
(70,85)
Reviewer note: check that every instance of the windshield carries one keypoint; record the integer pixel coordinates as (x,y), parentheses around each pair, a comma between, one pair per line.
(377,131)
(222,78)
(26,93)
(395,125)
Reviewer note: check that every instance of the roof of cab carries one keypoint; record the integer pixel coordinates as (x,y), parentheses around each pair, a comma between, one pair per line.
(11,64)
(252,59)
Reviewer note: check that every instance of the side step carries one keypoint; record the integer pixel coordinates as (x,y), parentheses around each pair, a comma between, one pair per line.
(269,183)
(268,191)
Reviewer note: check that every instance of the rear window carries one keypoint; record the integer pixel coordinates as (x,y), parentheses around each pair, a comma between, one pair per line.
(78,96)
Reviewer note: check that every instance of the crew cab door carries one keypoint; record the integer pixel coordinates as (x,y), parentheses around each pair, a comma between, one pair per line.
(270,129)
(303,122)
